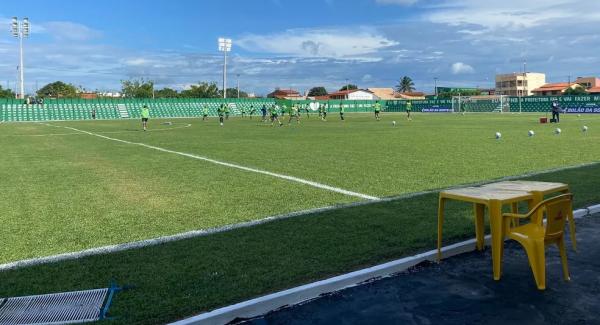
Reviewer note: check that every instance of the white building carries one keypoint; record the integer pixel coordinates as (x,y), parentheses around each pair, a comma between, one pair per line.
(354,94)
(519,84)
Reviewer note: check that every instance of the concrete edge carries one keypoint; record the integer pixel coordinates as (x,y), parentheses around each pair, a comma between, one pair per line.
(594,209)
(581,213)
(262,305)
(265,304)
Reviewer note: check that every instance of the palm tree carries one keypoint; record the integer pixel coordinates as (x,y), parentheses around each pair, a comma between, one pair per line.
(406,85)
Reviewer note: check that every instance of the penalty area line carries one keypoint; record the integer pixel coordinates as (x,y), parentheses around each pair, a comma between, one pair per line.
(226,164)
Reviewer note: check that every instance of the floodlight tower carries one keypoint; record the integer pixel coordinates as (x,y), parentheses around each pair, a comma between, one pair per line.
(20,30)
(224,46)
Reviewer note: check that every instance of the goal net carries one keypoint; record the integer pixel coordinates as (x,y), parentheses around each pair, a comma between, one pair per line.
(466,104)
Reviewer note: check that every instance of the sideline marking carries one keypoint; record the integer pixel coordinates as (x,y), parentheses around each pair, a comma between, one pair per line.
(226,164)
(210,231)
(205,232)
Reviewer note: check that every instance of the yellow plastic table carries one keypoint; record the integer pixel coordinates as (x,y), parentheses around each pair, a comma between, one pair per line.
(539,190)
(481,197)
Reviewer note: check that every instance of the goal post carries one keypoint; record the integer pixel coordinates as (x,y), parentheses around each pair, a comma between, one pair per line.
(480,104)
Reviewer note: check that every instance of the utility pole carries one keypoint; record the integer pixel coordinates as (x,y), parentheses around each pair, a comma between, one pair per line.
(435,79)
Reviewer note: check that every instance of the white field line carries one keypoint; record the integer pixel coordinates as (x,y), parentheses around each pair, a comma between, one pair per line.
(222,163)
(493,180)
(204,232)
(160,240)
(210,231)
(226,164)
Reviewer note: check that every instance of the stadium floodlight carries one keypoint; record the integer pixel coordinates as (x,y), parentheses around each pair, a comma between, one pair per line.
(25,27)
(225,46)
(20,31)
(14,27)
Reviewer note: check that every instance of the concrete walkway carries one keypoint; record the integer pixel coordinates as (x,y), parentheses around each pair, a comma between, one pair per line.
(461,290)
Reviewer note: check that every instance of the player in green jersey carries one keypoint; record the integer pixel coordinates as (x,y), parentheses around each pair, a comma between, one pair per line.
(294,113)
(377,109)
(274,115)
(307,108)
(145,113)
(204,112)
(226,111)
(408,110)
(221,112)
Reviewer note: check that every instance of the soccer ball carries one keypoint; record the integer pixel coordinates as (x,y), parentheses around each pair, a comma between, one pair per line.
(584,129)
(393,123)
(498,135)
(531,133)
(578,115)
(557,131)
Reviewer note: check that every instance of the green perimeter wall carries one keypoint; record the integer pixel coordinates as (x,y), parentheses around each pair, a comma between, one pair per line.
(80,109)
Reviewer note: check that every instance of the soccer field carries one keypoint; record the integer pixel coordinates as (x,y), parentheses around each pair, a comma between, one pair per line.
(69,186)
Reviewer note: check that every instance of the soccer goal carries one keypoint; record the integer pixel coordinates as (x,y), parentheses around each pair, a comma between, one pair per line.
(466,104)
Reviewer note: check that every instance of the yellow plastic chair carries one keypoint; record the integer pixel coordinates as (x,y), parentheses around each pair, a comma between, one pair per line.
(534,236)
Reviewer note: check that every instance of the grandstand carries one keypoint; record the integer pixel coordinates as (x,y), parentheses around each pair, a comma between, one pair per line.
(80,109)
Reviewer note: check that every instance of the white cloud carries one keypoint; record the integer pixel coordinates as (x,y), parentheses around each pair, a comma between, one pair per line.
(66,30)
(331,43)
(461,68)
(397,2)
(137,61)
(510,14)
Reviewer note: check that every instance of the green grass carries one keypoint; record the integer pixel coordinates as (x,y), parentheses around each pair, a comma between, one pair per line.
(179,279)
(70,192)
(65,192)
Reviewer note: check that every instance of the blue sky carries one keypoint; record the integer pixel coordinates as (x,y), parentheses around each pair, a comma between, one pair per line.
(300,44)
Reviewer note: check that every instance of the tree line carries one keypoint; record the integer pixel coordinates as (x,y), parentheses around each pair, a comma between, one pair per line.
(141,88)
(137,88)
(6,93)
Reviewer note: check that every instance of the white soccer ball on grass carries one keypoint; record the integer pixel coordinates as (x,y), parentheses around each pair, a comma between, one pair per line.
(531,133)
(557,131)
(393,123)
(584,128)
(498,135)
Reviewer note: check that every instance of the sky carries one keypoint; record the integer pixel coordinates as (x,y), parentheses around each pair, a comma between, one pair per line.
(300,44)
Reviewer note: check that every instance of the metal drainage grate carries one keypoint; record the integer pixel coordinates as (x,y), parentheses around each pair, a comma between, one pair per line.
(59,308)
